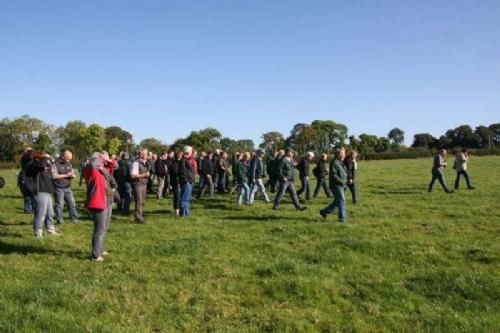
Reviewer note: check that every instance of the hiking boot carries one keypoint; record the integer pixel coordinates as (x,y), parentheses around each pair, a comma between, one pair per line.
(54,233)
(98,259)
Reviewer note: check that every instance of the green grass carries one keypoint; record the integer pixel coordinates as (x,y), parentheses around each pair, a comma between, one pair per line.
(406,261)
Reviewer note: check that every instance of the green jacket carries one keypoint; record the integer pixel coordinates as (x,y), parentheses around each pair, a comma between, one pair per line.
(286,170)
(338,174)
(240,172)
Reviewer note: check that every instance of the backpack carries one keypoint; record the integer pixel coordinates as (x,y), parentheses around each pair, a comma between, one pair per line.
(28,185)
(316,171)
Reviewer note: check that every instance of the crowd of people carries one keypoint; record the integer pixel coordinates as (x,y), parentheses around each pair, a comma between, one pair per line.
(122,179)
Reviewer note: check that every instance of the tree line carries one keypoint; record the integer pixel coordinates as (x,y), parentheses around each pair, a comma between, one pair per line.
(321,136)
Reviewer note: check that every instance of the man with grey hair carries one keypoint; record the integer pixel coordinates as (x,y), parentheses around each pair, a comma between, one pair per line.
(62,174)
(186,179)
(257,173)
(304,167)
(139,173)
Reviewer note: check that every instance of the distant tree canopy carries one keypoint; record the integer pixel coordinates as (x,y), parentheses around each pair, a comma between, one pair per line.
(321,136)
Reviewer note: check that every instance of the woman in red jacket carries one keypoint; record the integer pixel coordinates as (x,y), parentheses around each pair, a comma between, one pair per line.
(100,188)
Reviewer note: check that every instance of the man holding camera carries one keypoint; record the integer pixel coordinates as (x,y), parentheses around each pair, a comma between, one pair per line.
(438,171)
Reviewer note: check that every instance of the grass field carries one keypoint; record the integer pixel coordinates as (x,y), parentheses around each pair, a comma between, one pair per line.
(406,261)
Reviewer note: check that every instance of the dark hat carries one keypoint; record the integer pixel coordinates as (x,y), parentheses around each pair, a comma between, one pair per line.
(290,150)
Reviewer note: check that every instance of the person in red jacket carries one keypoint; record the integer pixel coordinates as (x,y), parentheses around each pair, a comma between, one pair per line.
(100,188)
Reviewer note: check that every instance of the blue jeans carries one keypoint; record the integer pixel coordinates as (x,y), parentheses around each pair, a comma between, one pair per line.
(44,213)
(29,204)
(258,186)
(467,179)
(186,190)
(65,195)
(305,187)
(338,203)
(438,175)
(244,190)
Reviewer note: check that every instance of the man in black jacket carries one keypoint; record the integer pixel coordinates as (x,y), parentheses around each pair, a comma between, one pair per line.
(257,173)
(303,167)
(320,172)
(351,167)
(161,170)
(207,171)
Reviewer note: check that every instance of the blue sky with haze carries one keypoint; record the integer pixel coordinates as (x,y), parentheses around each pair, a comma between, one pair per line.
(163,68)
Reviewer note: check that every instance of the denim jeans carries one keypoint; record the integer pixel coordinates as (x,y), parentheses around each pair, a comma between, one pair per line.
(62,195)
(286,186)
(338,203)
(438,175)
(186,190)
(322,183)
(44,212)
(258,186)
(29,204)
(244,191)
(467,179)
(305,187)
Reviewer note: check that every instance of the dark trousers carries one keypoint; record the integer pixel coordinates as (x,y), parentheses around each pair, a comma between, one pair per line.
(286,186)
(437,175)
(140,198)
(204,182)
(354,191)
(467,179)
(222,184)
(305,187)
(176,194)
(322,183)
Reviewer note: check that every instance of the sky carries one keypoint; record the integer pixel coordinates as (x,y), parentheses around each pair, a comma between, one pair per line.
(164,68)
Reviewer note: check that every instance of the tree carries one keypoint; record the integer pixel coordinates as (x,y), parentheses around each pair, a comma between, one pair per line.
(424,140)
(272,141)
(495,130)
(118,133)
(93,139)
(154,145)
(72,137)
(462,136)
(114,145)
(396,136)
(331,135)
(484,136)
(303,137)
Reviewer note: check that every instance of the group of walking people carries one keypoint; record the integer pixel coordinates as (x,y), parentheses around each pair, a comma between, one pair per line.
(112,179)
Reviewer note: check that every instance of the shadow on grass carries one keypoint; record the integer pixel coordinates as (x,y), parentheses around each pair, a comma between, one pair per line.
(245,218)
(398,191)
(7,248)
(10,234)
(20,223)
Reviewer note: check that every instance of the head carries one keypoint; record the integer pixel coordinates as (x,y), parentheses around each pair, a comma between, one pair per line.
(465,150)
(261,153)
(443,152)
(324,157)
(340,154)
(67,156)
(39,155)
(224,155)
(290,153)
(180,155)
(188,151)
(125,156)
(143,154)
(309,155)
(171,154)
(353,154)
(281,153)
(246,156)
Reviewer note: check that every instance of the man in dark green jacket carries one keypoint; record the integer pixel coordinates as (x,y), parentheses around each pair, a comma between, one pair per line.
(241,174)
(338,183)
(286,177)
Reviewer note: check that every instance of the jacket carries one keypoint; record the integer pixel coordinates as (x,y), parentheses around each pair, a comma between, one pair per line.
(96,188)
(41,169)
(256,168)
(338,174)
(304,167)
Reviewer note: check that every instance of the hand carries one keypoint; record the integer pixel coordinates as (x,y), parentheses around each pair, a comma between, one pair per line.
(147,174)
(253,181)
